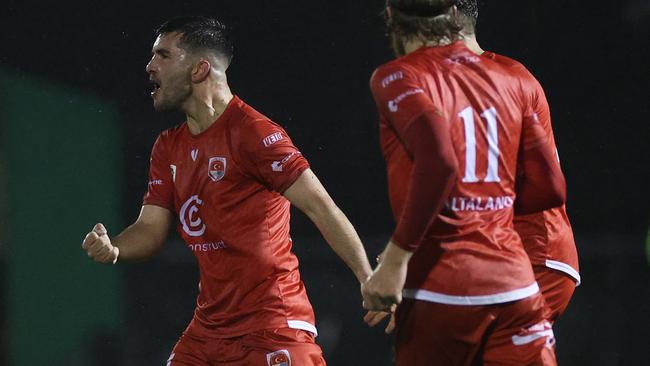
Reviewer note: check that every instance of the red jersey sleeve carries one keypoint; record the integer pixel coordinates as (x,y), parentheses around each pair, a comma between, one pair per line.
(424,132)
(270,156)
(399,96)
(161,180)
(541,184)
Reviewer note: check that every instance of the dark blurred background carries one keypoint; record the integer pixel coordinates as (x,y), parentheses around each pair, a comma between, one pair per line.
(77,126)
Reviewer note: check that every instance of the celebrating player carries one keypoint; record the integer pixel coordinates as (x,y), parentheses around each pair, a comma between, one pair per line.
(456,129)
(547,236)
(229,175)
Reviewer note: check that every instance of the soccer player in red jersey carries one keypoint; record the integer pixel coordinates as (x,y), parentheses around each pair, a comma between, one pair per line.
(456,129)
(547,236)
(228,176)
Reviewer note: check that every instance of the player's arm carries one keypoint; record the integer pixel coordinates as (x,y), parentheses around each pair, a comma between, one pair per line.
(541,185)
(425,135)
(140,241)
(308,194)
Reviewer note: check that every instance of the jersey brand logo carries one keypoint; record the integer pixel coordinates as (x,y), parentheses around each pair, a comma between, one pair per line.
(392,77)
(217,168)
(278,358)
(277,165)
(393,104)
(173,169)
(272,139)
(195,154)
(189,216)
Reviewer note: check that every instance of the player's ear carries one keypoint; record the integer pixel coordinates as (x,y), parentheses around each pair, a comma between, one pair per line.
(201,70)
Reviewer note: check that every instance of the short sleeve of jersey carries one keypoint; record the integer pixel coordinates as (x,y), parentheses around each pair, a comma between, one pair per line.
(533,133)
(270,156)
(399,96)
(161,184)
(537,115)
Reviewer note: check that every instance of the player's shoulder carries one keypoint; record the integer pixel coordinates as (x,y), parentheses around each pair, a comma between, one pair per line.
(391,71)
(253,121)
(171,134)
(255,129)
(511,65)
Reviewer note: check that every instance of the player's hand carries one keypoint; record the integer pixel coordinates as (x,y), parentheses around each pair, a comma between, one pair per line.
(383,289)
(373,318)
(98,246)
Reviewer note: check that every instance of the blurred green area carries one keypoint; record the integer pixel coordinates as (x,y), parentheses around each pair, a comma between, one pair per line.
(62,153)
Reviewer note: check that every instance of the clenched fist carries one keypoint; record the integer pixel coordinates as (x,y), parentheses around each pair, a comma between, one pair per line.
(98,246)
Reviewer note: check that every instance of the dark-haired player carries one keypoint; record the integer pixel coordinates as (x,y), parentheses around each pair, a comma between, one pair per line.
(228,176)
(547,236)
(455,131)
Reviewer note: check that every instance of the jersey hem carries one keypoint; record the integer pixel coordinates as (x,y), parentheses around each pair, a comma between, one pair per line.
(301,324)
(565,268)
(499,298)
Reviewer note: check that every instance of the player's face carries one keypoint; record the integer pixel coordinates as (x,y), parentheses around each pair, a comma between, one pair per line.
(170,72)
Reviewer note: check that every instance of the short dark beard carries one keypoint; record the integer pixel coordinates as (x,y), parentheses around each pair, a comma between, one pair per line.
(179,98)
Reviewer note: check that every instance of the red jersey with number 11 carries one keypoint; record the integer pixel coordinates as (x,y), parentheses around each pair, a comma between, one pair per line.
(224,186)
(471,254)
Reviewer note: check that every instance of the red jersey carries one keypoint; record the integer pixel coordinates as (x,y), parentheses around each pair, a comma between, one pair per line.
(547,236)
(223,185)
(471,254)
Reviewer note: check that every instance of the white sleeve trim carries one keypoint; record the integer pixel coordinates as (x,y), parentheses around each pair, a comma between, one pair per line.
(300,324)
(498,298)
(563,267)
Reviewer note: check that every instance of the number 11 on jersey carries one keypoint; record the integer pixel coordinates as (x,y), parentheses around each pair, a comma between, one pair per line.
(490,115)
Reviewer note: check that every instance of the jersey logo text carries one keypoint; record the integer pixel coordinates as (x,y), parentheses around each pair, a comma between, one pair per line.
(173,169)
(458,204)
(189,216)
(393,104)
(217,168)
(392,77)
(277,165)
(278,358)
(195,154)
(206,247)
(272,139)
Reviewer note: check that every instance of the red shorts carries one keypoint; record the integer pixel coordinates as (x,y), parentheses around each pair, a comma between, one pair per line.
(514,333)
(557,289)
(273,347)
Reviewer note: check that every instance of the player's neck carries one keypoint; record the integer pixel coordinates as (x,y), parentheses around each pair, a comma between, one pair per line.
(413,44)
(203,109)
(472,43)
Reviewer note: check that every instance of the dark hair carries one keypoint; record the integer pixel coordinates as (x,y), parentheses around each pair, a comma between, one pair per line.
(468,10)
(429,18)
(200,33)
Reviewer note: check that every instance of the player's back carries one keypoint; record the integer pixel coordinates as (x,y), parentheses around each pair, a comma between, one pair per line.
(471,253)
(547,236)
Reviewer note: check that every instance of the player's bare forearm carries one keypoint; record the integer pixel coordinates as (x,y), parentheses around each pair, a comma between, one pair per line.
(146,236)
(341,236)
(138,242)
(309,195)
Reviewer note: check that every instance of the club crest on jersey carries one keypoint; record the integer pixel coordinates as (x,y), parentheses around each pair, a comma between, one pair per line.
(217,168)
(278,358)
